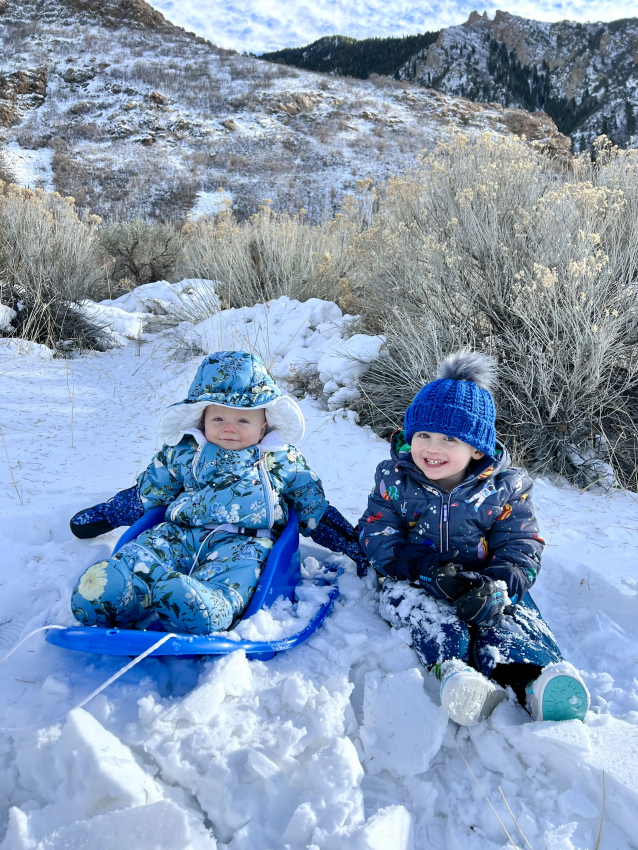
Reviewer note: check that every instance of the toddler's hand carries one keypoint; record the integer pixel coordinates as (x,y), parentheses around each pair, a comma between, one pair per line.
(483,603)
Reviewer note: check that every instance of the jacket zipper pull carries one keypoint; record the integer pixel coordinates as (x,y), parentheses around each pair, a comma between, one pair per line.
(445,510)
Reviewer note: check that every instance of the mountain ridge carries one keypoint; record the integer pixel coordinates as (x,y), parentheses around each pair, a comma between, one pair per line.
(584,76)
(133,116)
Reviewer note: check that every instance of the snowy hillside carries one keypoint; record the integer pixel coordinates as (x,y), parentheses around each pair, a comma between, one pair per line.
(340,743)
(582,75)
(130,115)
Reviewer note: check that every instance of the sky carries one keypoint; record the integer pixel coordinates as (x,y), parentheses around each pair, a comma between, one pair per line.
(257,26)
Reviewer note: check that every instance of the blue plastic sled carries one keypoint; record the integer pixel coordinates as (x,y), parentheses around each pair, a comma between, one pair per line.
(280,577)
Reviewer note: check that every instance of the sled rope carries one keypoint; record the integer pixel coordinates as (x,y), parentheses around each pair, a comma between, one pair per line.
(94,693)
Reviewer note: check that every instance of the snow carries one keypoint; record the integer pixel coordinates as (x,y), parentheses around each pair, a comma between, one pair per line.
(119,323)
(7,315)
(161,297)
(30,168)
(211,203)
(290,335)
(338,743)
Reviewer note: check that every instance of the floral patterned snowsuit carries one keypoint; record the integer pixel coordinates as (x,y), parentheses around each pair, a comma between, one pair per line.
(197,580)
(199,568)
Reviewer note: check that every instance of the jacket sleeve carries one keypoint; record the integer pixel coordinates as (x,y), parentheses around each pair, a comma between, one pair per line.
(381,528)
(162,480)
(303,491)
(514,541)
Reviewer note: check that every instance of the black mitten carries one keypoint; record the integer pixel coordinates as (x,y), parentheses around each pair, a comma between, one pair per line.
(482,603)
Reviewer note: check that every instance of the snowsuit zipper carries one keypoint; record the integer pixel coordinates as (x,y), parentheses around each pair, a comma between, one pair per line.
(268,493)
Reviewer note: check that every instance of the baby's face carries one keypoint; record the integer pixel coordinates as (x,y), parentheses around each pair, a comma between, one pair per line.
(233,428)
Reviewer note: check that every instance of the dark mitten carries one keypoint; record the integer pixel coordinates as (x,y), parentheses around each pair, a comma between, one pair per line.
(434,571)
(518,579)
(337,534)
(124,508)
(441,579)
(482,603)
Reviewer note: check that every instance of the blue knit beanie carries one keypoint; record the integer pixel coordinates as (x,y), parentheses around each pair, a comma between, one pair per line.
(458,403)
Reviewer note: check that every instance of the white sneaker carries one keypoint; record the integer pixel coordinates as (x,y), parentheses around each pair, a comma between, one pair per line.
(558,694)
(467,696)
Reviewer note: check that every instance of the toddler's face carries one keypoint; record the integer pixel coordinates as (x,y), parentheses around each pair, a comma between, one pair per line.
(441,458)
(233,428)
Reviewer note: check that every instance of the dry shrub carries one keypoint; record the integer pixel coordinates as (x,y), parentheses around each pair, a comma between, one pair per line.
(272,254)
(49,261)
(488,246)
(141,251)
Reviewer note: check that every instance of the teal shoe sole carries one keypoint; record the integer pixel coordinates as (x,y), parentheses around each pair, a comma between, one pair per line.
(564,698)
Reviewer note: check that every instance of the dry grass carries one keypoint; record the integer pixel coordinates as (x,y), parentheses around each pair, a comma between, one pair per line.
(271,254)
(49,261)
(488,246)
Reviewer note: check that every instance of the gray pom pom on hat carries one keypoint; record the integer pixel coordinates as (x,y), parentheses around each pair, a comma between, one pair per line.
(467,365)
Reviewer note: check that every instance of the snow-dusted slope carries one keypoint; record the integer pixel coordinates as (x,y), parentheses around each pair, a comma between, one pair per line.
(132,116)
(337,744)
(584,75)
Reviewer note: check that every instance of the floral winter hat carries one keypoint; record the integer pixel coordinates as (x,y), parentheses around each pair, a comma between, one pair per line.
(233,379)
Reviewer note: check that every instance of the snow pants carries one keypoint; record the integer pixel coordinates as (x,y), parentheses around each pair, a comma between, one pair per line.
(198,582)
(512,650)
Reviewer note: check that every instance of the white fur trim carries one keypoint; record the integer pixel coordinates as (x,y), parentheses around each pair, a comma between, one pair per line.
(272,442)
(283,415)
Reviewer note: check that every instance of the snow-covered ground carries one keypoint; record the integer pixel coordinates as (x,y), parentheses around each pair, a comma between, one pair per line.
(339,743)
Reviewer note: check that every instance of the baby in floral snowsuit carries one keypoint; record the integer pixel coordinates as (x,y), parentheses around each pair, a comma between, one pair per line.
(228,474)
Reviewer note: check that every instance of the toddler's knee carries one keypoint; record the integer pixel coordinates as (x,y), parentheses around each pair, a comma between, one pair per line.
(184,604)
(104,595)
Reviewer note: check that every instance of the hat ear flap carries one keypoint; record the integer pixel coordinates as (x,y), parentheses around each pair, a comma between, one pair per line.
(285,417)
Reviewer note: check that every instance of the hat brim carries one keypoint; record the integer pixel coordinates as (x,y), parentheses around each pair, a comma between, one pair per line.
(283,414)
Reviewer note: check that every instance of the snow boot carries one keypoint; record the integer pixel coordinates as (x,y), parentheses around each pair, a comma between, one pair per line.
(466,695)
(558,694)
(91,522)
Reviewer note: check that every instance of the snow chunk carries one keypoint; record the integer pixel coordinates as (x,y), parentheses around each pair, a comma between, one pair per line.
(7,315)
(24,347)
(402,728)
(388,829)
(79,772)
(231,676)
(160,826)
(582,751)
(161,297)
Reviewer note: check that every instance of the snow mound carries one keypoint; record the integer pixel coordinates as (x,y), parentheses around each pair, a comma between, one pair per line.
(117,322)
(161,297)
(7,315)
(22,347)
(290,336)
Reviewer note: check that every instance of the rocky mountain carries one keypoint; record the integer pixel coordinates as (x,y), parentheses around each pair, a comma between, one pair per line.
(132,116)
(584,76)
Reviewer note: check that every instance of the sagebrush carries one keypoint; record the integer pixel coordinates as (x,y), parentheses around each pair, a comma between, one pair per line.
(489,245)
(50,261)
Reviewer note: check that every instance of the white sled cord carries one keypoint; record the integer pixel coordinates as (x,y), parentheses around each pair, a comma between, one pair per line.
(94,693)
